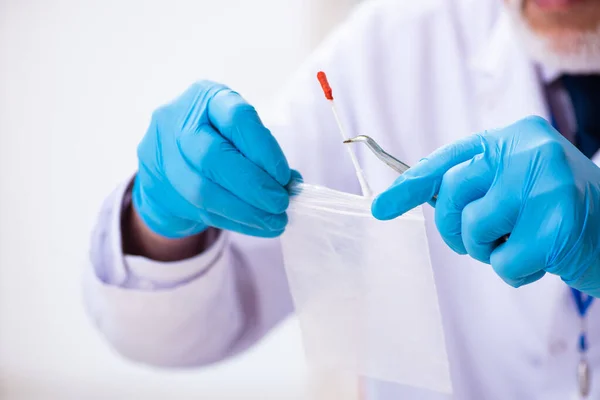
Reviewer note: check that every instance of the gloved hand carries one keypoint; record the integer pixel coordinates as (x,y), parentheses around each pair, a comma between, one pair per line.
(525,180)
(207,160)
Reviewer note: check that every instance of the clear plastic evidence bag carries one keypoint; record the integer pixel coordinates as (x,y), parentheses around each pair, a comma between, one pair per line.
(364,290)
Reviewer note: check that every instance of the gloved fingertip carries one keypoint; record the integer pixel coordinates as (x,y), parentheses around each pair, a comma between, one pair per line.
(276,222)
(295,176)
(533,277)
(279,203)
(275,234)
(454,242)
(283,173)
(517,283)
(262,233)
(383,208)
(271,234)
(459,249)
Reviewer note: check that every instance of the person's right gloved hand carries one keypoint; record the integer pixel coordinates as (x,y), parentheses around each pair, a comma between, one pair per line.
(208,161)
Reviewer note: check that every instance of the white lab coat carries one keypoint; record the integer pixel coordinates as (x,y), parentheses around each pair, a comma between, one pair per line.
(415,75)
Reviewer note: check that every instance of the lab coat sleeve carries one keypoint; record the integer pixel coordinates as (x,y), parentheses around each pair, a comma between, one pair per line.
(204,309)
(185,313)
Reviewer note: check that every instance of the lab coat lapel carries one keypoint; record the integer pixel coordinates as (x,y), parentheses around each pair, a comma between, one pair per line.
(507,88)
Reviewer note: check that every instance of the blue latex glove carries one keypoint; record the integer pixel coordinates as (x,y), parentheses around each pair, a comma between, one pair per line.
(525,180)
(207,160)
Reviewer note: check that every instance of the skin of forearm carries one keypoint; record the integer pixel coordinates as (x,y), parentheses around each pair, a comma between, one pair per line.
(139,240)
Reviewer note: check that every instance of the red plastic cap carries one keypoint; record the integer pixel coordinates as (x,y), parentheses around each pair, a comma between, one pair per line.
(325,85)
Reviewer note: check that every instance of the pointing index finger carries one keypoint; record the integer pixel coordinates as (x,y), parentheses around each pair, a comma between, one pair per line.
(421,183)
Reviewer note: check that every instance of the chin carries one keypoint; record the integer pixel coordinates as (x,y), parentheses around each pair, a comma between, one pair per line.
(563,48)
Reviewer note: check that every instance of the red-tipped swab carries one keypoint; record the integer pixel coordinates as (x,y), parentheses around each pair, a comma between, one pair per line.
(325,85)
(366,190)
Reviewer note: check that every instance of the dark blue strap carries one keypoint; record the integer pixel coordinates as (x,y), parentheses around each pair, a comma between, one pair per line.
(582,301)
(553,121)
(584,92)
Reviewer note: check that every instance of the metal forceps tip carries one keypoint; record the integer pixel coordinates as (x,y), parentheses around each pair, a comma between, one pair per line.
(385,157)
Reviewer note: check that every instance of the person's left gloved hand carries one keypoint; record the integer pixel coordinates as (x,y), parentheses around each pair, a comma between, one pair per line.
(525,180)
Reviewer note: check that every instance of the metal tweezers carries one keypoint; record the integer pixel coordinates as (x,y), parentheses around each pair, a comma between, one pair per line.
(387,158)
(384,156)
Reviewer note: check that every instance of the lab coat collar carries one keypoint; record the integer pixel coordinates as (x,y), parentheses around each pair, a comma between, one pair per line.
(508,85)
(495,55)
(490,60)
(548,75)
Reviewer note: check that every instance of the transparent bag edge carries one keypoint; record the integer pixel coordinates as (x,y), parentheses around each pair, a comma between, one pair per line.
(315,197)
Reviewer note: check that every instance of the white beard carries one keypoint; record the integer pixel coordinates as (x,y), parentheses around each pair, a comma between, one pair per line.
(567,51)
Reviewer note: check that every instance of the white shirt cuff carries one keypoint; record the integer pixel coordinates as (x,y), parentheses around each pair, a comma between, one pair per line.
(149,273)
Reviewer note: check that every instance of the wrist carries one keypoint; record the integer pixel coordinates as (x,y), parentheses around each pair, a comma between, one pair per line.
(140,239)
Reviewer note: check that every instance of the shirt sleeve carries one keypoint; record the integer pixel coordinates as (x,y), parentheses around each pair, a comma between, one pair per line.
(201,310)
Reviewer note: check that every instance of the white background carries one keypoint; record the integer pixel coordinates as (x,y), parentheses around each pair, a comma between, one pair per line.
(78,82)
